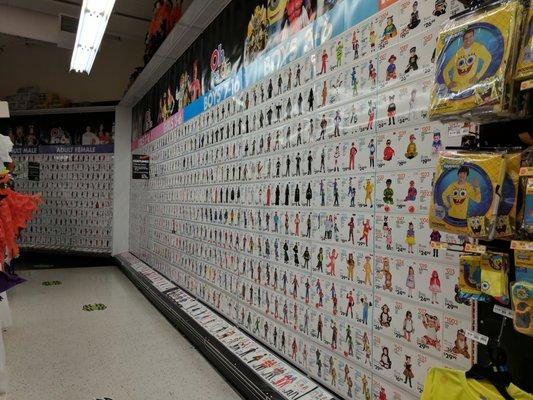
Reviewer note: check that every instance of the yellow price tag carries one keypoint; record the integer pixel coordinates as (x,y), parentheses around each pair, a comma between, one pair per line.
(526,85)
(526,171)
(521,245)
(475,248)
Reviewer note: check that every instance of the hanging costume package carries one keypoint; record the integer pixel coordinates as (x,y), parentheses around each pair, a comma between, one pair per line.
(525,214)
(523,263)
(494,276)
(466,193)
(475,56)
(524,64)
(506,220)
(470,278)
(522,296)
(484,277)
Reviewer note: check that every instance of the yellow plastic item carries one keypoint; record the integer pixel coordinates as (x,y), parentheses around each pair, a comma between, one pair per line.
(451,384)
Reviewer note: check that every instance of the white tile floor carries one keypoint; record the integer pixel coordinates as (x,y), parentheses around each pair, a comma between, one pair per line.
(129,351)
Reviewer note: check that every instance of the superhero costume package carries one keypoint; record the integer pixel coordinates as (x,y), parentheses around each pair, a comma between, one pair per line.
(524,64)
(466,193)
(474,64)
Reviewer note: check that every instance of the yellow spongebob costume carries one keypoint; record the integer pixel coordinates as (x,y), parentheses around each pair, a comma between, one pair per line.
(448,210)
(457,196)
(467,67)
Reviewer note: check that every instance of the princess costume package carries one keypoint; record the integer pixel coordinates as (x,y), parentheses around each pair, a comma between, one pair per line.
(466,193)
(475,55)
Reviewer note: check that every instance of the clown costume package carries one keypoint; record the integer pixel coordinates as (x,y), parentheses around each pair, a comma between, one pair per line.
(466,193)
(474,64)
(524,64)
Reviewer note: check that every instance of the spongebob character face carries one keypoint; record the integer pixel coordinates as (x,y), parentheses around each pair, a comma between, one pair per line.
(464,64)
(459,196)
(497,262)
(501,224)
(475,224)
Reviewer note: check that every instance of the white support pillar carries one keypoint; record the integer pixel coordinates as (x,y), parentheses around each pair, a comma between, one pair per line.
(121,180)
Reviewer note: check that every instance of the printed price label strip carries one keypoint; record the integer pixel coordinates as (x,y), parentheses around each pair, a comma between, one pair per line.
(459,132)
(506,312)
(476,337)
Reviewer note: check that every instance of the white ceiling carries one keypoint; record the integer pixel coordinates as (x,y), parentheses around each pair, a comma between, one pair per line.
(130,18)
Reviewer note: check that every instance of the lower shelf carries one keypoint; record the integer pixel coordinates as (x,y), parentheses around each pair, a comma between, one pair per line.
(249,366)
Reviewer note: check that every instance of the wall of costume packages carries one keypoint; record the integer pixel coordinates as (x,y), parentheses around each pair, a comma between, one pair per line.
(68,160)
(77,209)
(319,210)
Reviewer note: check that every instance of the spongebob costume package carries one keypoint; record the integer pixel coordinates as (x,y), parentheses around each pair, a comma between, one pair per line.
(524,64)
(466,193)
(484,277)
(522,296)
(474,70)
(506,220)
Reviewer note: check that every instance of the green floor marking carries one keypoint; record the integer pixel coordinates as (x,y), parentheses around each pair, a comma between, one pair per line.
(51,283)
(94,307)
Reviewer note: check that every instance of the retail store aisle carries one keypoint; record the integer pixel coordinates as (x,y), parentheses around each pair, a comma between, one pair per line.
(56,350)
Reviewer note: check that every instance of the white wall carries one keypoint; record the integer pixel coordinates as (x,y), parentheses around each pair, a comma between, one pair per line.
(121,177)
(47,66)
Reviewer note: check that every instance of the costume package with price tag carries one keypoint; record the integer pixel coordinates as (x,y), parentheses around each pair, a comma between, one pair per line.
(466,193)
(474,66)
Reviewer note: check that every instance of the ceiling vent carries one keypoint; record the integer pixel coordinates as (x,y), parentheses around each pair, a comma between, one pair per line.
(68,26)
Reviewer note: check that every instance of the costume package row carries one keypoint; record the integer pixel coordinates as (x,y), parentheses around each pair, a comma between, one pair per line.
(467,188)
(475,57)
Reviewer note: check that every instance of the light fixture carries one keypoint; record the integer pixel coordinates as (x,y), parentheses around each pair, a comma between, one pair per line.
(94,16)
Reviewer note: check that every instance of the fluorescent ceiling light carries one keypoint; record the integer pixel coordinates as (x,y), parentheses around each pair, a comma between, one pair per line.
(91,27)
